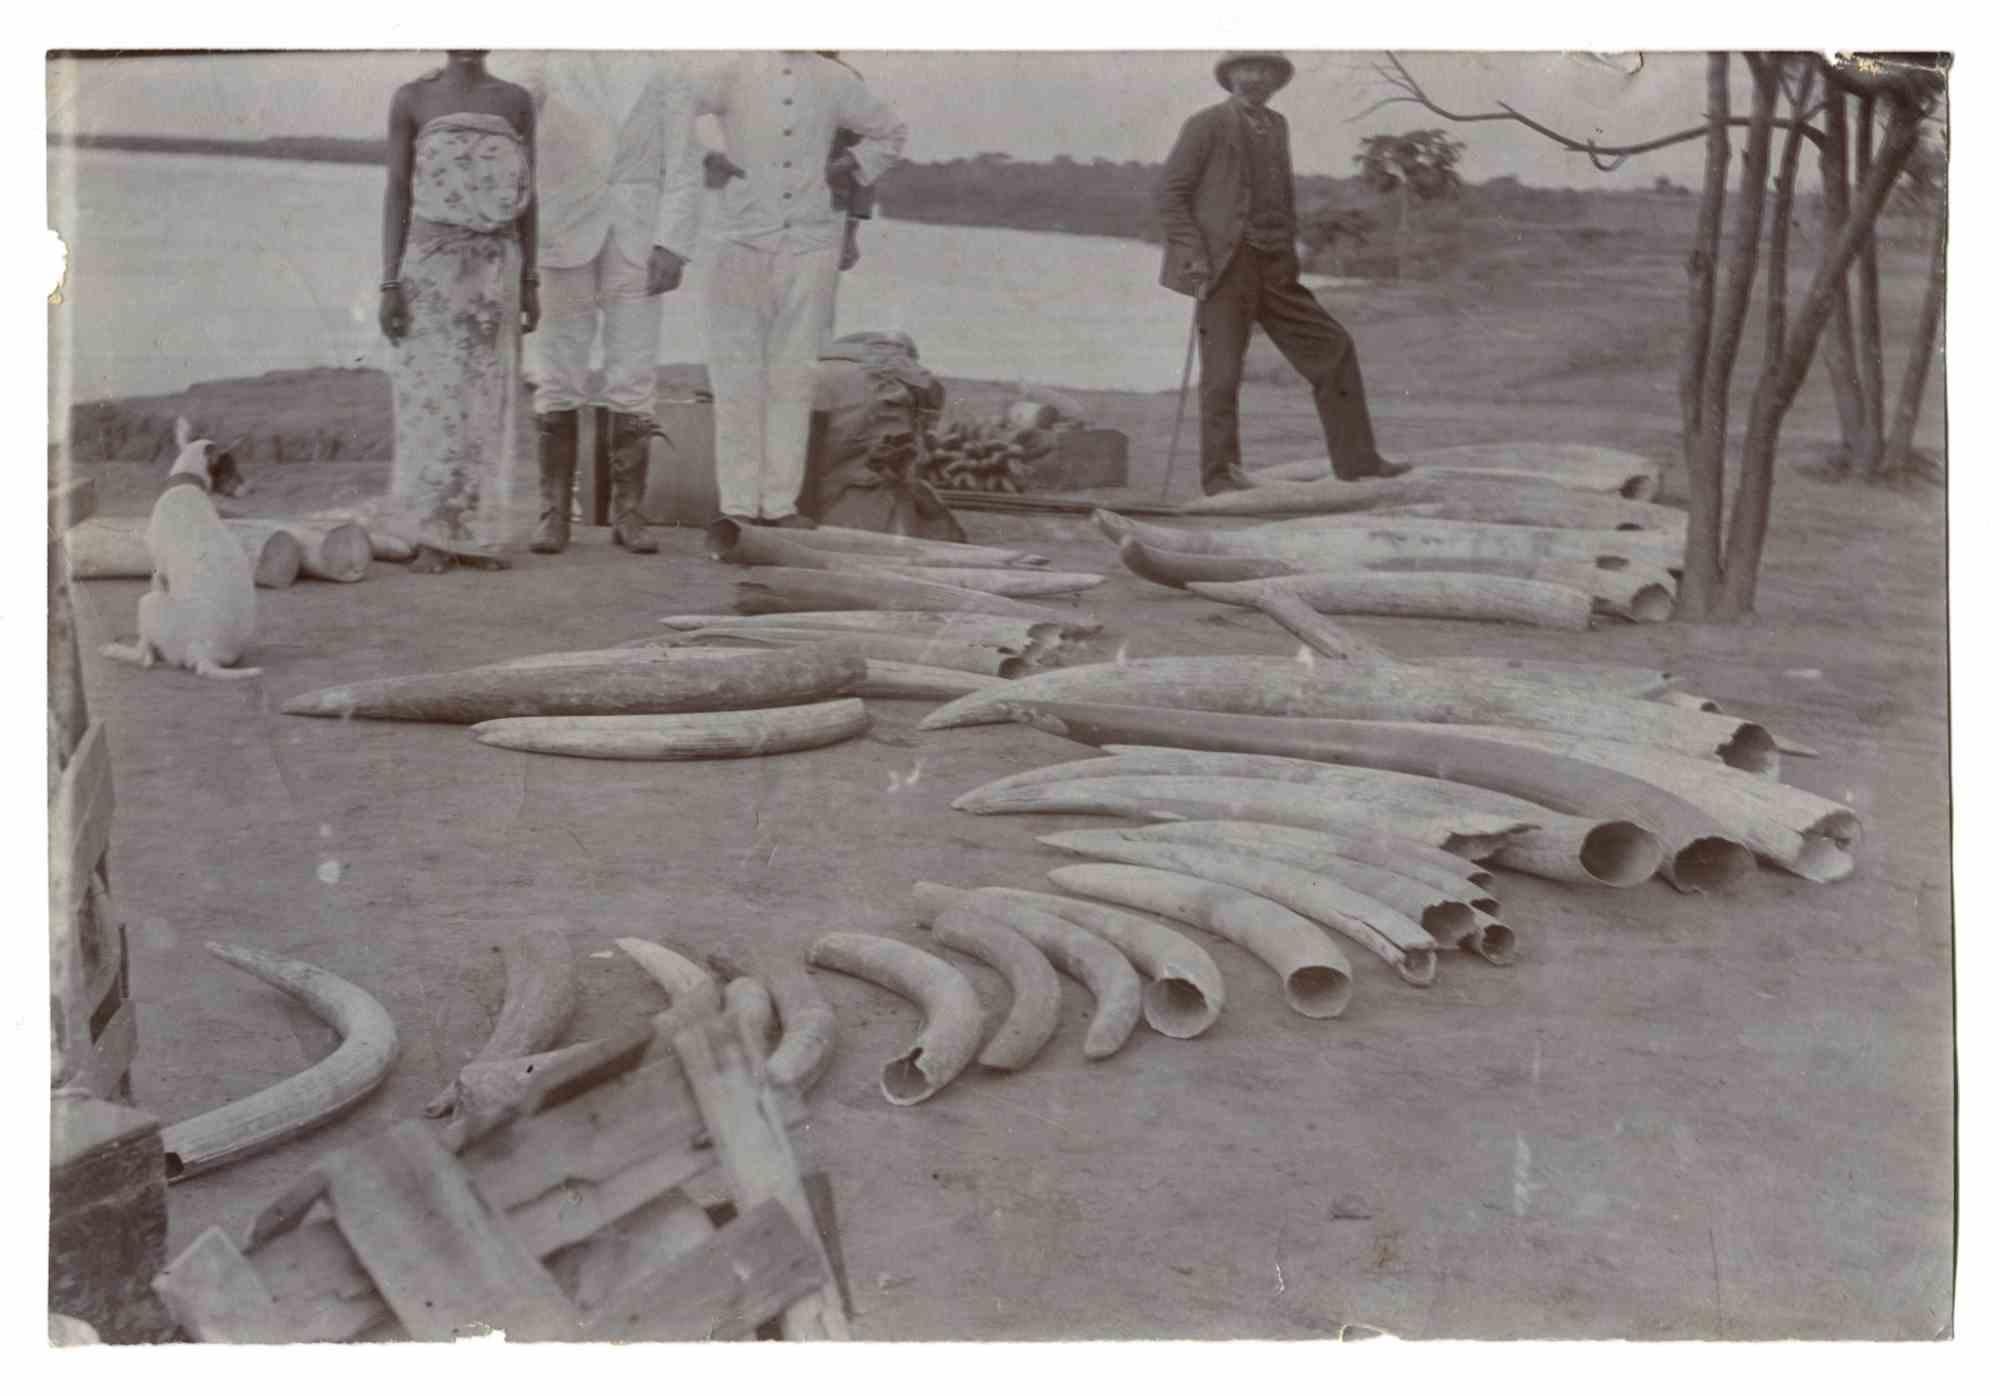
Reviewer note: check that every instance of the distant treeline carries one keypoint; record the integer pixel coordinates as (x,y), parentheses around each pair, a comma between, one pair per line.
(338,150)
(1106,198)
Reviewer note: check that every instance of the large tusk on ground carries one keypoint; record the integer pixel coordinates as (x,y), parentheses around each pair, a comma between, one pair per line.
(1185,994)
(681,736)
(1437,595)
(1511,465)
(1035,640)
(773,548)
(1468,832)
(953,1019)
(1036,1005)
(298,1104)
(884,679)
(1176,570)
(1316,632)
(871,645)
(1089,959)
(808,1022)
(829,538)
(1495,942)
(1314,975)
(538,1004)
(1406,946)
(803,589)
(1801,832)
(1317,546)
(685,981)
(1450,917)
(1365,691)
(1445,871)
(662,681)
(748,1001)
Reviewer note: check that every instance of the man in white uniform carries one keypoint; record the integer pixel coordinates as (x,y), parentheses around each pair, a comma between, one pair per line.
(777,260)
(619,200)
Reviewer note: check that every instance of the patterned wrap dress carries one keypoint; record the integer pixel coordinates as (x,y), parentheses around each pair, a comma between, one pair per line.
(457,371)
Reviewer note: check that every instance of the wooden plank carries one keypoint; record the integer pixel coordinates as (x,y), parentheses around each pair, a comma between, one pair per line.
(70,504)
(438,1254)
(215,1294)
(819,1195)
(647,1240)
(753,1269)
(79,822)
(756,1154)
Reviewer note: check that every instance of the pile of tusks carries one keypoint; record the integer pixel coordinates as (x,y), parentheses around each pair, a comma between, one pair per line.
(1531,534)
(540,1000)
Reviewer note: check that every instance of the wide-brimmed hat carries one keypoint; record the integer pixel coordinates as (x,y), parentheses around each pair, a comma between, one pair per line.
(1229,60)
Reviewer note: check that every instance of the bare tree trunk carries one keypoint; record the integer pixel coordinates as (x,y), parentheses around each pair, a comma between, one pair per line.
(1901,455)
(1841,370)
(1868,300)
(1699,565)
(1701,572)
(1402,227)
(1779,386)
(1781,221)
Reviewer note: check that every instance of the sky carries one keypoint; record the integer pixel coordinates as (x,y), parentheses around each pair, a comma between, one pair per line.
(1031,105)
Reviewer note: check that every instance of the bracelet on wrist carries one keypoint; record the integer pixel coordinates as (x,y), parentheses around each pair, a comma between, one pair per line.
(391,286)
(531,278)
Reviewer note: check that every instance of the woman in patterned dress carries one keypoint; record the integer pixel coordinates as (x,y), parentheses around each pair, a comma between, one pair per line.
(459,290)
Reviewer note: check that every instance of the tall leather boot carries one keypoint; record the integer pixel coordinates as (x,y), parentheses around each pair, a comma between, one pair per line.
(631,442)
(555,441)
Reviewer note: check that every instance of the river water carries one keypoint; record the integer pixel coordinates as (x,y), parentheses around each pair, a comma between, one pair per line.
(185,268)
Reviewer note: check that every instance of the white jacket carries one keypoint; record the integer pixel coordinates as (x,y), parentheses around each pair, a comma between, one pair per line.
(613,153)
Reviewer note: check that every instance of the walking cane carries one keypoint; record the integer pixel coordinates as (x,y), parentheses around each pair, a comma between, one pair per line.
(1180,404)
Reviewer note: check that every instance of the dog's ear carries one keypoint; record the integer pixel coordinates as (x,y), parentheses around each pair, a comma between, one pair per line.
(224,478)
(183,432)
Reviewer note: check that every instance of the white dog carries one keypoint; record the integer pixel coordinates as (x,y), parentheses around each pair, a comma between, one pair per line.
(202,610)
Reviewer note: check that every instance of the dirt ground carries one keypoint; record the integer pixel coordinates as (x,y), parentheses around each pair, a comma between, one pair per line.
(1675,1117)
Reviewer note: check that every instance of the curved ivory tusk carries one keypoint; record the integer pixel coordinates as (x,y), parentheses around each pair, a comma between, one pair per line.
(1314,975)
(1186,993)
(1356,591)
(681,736)
(1177,570)
(1314,545)
(953,1019)
(661,682)
(1494,941)
(1086,958)
(1406,946)
(1805,834)
(750,1002)
(1586,475)
(740,543)
(1238,686)
(1471,833)
(1036,1006)
(539,1002)
(685,981)
(1450,918)
(804,589)
(1445,871)
(808,1023)
(338,1081)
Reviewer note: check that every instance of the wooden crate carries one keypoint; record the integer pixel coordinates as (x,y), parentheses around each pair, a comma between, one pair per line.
(1083,459)
(647,1191)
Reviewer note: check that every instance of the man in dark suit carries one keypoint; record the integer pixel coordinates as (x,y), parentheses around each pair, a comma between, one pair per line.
(1226,201)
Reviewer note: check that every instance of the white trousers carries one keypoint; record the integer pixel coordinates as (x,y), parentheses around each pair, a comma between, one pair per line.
(610,288)
(767,318)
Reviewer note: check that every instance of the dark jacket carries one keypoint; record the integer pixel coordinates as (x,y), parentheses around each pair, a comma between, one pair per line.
(1204,193)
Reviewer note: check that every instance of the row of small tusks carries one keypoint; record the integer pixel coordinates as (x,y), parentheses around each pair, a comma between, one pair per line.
(540,1001)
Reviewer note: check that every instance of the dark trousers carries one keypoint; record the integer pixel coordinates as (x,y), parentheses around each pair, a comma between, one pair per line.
(1262,288)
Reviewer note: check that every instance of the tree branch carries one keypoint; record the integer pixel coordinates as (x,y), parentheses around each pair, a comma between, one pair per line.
(1606,158)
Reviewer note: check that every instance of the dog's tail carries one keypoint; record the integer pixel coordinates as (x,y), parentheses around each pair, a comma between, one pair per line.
(209,670)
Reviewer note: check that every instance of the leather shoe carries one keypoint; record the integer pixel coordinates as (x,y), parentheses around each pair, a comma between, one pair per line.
(1229,477)
(1380,470)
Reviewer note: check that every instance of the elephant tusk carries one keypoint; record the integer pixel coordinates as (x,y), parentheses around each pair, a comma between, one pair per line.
(1401,942)
(1450,917)
(749,1002)
(1314,975)
(766,589)
(1084,957)
(685,981)
(539,1002)
(680,736)
(300,1103)
(1445,871)
(1358,591)
(1494,942)
(808,1023)
(1037,993)
(1185,995)
(953,1019)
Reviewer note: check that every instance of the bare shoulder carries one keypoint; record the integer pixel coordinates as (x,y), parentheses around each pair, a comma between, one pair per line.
(515,102)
